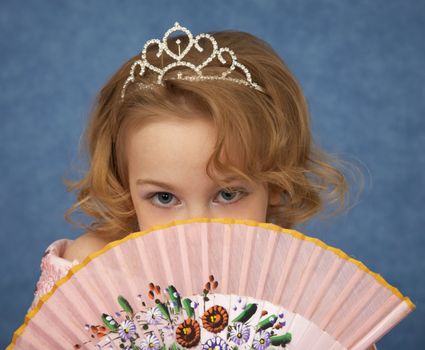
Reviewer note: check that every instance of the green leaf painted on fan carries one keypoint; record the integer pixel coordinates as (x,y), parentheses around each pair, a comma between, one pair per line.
(175,298)
(134,347)
(174,347)
(164,310)
(109,322)
(281,339)
(267,322)
(187,306)
(245,315)
(163,347)
(125,304)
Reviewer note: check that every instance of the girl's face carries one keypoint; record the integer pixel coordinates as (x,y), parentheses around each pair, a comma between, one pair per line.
(167,160)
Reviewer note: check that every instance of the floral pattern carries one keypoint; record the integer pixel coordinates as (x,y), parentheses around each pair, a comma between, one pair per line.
(188,333)
(127,330)
(215,319)
(54,267)
(199,321)
(150,342)
(240,333)
(261,340)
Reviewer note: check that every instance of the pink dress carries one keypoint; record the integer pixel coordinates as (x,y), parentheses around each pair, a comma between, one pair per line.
(54,267)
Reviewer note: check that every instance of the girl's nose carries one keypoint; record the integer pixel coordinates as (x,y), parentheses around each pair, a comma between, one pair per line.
(198,212)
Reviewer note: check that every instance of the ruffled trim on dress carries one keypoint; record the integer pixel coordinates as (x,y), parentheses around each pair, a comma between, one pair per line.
(53,267)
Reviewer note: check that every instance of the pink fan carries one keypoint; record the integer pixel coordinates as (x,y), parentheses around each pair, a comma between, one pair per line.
(215,284)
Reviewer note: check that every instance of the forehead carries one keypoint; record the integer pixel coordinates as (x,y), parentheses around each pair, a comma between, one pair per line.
(172,149)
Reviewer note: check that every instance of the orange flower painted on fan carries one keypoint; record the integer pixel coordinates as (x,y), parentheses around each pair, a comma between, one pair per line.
(211,284)
(215,319)
(188,333)
(99,331)
(154,289)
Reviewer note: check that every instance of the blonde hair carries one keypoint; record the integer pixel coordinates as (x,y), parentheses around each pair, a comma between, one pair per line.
(270,132)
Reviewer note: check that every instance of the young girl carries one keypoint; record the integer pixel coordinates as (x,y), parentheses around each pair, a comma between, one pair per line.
(196,139)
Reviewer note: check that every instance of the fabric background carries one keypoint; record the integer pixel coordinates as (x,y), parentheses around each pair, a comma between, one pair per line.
(360,64)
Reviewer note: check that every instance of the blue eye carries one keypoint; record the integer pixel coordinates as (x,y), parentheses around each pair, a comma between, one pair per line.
(164,197)
(228,195)
(160,199)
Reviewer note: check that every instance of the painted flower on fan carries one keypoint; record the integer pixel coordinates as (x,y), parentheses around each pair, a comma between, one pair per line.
(215,319)
(126,330)
(261,340)
(96,331)
(188,333)
(151,342)
(153,316)
(215,343)
(239,333)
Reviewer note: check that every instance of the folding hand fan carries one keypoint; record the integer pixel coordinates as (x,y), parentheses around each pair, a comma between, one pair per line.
(215,284)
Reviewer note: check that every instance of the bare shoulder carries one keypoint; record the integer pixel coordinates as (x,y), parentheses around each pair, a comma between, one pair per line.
(83,246)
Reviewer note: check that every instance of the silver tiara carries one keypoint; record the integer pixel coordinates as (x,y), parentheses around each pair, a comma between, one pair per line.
(179,61)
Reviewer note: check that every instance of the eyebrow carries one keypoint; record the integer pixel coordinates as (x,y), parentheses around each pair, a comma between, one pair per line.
(153,182)
(171,188)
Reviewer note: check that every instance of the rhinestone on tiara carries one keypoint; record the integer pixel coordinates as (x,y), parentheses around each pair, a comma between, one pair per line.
(144,64)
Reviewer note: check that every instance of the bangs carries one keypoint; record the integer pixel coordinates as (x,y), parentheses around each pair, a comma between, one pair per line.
(237,113)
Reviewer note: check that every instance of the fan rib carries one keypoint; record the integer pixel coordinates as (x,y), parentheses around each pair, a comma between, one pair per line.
(295,245)
(308,271)
(315,302)
(50,316)
(337,346)
(389,308)
(84,298)
(226,258)
(146,266)
(162,246)
(139,276)
(246,259)
(265,267)
(205,257)
(26,342)
(101,278)
(126,284)
(355,309)
(315,338)
(42,339)
(343,295)
(382,327)
(184,259)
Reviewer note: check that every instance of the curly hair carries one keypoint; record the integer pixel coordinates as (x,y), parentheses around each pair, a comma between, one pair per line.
(270,131)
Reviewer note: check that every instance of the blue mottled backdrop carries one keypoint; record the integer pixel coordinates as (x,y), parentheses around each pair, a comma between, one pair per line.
(361,64)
